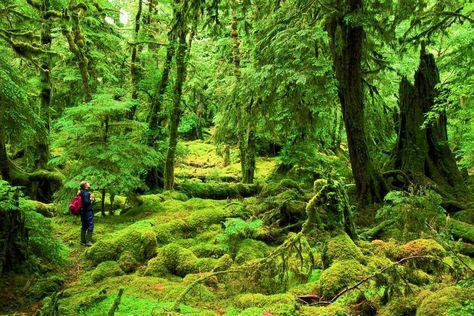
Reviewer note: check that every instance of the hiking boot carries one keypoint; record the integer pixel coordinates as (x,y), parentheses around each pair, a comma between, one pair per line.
(88,238)
(83,237)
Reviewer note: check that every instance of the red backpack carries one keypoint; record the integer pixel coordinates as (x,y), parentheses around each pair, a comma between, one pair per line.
(75,205)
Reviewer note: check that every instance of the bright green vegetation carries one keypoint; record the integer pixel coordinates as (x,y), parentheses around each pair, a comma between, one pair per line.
(259,158)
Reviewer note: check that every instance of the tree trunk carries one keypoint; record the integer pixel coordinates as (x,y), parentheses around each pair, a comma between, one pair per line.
(4,163)
(346,47)
(250,150)
(133,65)
(176,112)
(42,191)
(424,152)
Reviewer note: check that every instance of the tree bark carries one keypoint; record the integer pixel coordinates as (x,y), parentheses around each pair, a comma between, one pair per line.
(134,65)
(176,111)
(424,152)
(346,48)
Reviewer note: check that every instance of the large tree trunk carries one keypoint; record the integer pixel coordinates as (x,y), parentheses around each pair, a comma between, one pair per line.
(424,152)
(42,191)
(176,111)
(346,47)
(134,65)
(250,149)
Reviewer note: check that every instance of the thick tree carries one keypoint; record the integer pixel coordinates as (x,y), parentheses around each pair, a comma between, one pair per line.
(422,150)
(347,37)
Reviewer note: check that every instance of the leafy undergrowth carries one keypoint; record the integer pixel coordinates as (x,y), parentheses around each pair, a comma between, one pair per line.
(176,254)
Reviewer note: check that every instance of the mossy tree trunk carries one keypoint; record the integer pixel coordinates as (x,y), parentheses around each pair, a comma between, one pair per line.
(346,47)
(154,123)
(250,146)
(4,162)
(13,239)
(424,152)
(176,111)
(43,191)
(76,42)
(134,62)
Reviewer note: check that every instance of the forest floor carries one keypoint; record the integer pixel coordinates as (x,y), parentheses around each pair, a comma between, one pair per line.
(156,250)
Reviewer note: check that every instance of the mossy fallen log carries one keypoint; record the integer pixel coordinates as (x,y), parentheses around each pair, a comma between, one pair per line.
(218,191)
(462,230)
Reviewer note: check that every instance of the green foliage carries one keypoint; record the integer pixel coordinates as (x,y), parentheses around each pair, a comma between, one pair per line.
(100,145)
(236,229)
(413,210)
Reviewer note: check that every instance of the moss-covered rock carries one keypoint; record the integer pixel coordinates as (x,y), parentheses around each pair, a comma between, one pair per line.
(339,275)
(170,231)
(173,259)
(45,287)
(399,306)
(127,262)
(330,310)
(444,300)
(208,250)
(250,249)
(223,263)
(341,247)
(260,300)
(206,264)
(389,248)
(139,239)
(422,247)
(106,269)
(462,230)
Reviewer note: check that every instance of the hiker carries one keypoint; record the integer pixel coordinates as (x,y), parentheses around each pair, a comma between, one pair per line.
(87,215)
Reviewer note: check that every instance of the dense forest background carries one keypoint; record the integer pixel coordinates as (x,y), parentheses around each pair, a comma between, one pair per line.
(310,157)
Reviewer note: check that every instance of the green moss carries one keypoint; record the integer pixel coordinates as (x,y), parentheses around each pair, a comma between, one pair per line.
(466,216)
(106,269)
(260,300)
(200,219)
(170,231)
(218,190)
(399,306)
(127,262)
(330,310)
(305,288)
(206,264)
(208,250)
(173,259)
(139,239)
(422,247)
(174,195)
(462,230)
(440,302)
(223,263)
(340,275)
(341,247)
(388,248)
(45,287)
(250,249)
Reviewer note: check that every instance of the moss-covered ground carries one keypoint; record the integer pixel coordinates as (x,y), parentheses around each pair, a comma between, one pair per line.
(157,251)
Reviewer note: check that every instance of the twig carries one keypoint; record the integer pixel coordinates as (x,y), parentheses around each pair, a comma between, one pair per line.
(116,303)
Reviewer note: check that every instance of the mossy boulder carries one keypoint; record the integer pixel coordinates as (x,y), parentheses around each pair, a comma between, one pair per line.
(389,248)
(200,219)
(422,247)
(445,301)
(341,247)
(250,249)
(45,287)
(127,262)
(170,231)
(260,300)
(173,259)
(203,250)
(223,263)
(339,275)
(399,306)
(106,269)
(330,310)
(139,239)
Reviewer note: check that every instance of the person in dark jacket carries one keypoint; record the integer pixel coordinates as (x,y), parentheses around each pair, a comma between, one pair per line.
(87,215)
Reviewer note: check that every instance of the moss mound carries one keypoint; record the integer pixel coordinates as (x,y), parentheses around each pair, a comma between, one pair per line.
(45,287)
(127,262)
(209,250)
(174,259)
(259,300)
(340,275)
(330,310)
(218,191)
(139,239)
(250,249)
(388,248)
(422,247)
(170,231)
(106,269)
(445,301)
(273,189)
(341,247)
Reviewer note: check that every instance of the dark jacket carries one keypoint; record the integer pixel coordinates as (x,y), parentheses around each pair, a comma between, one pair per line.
(86,200)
